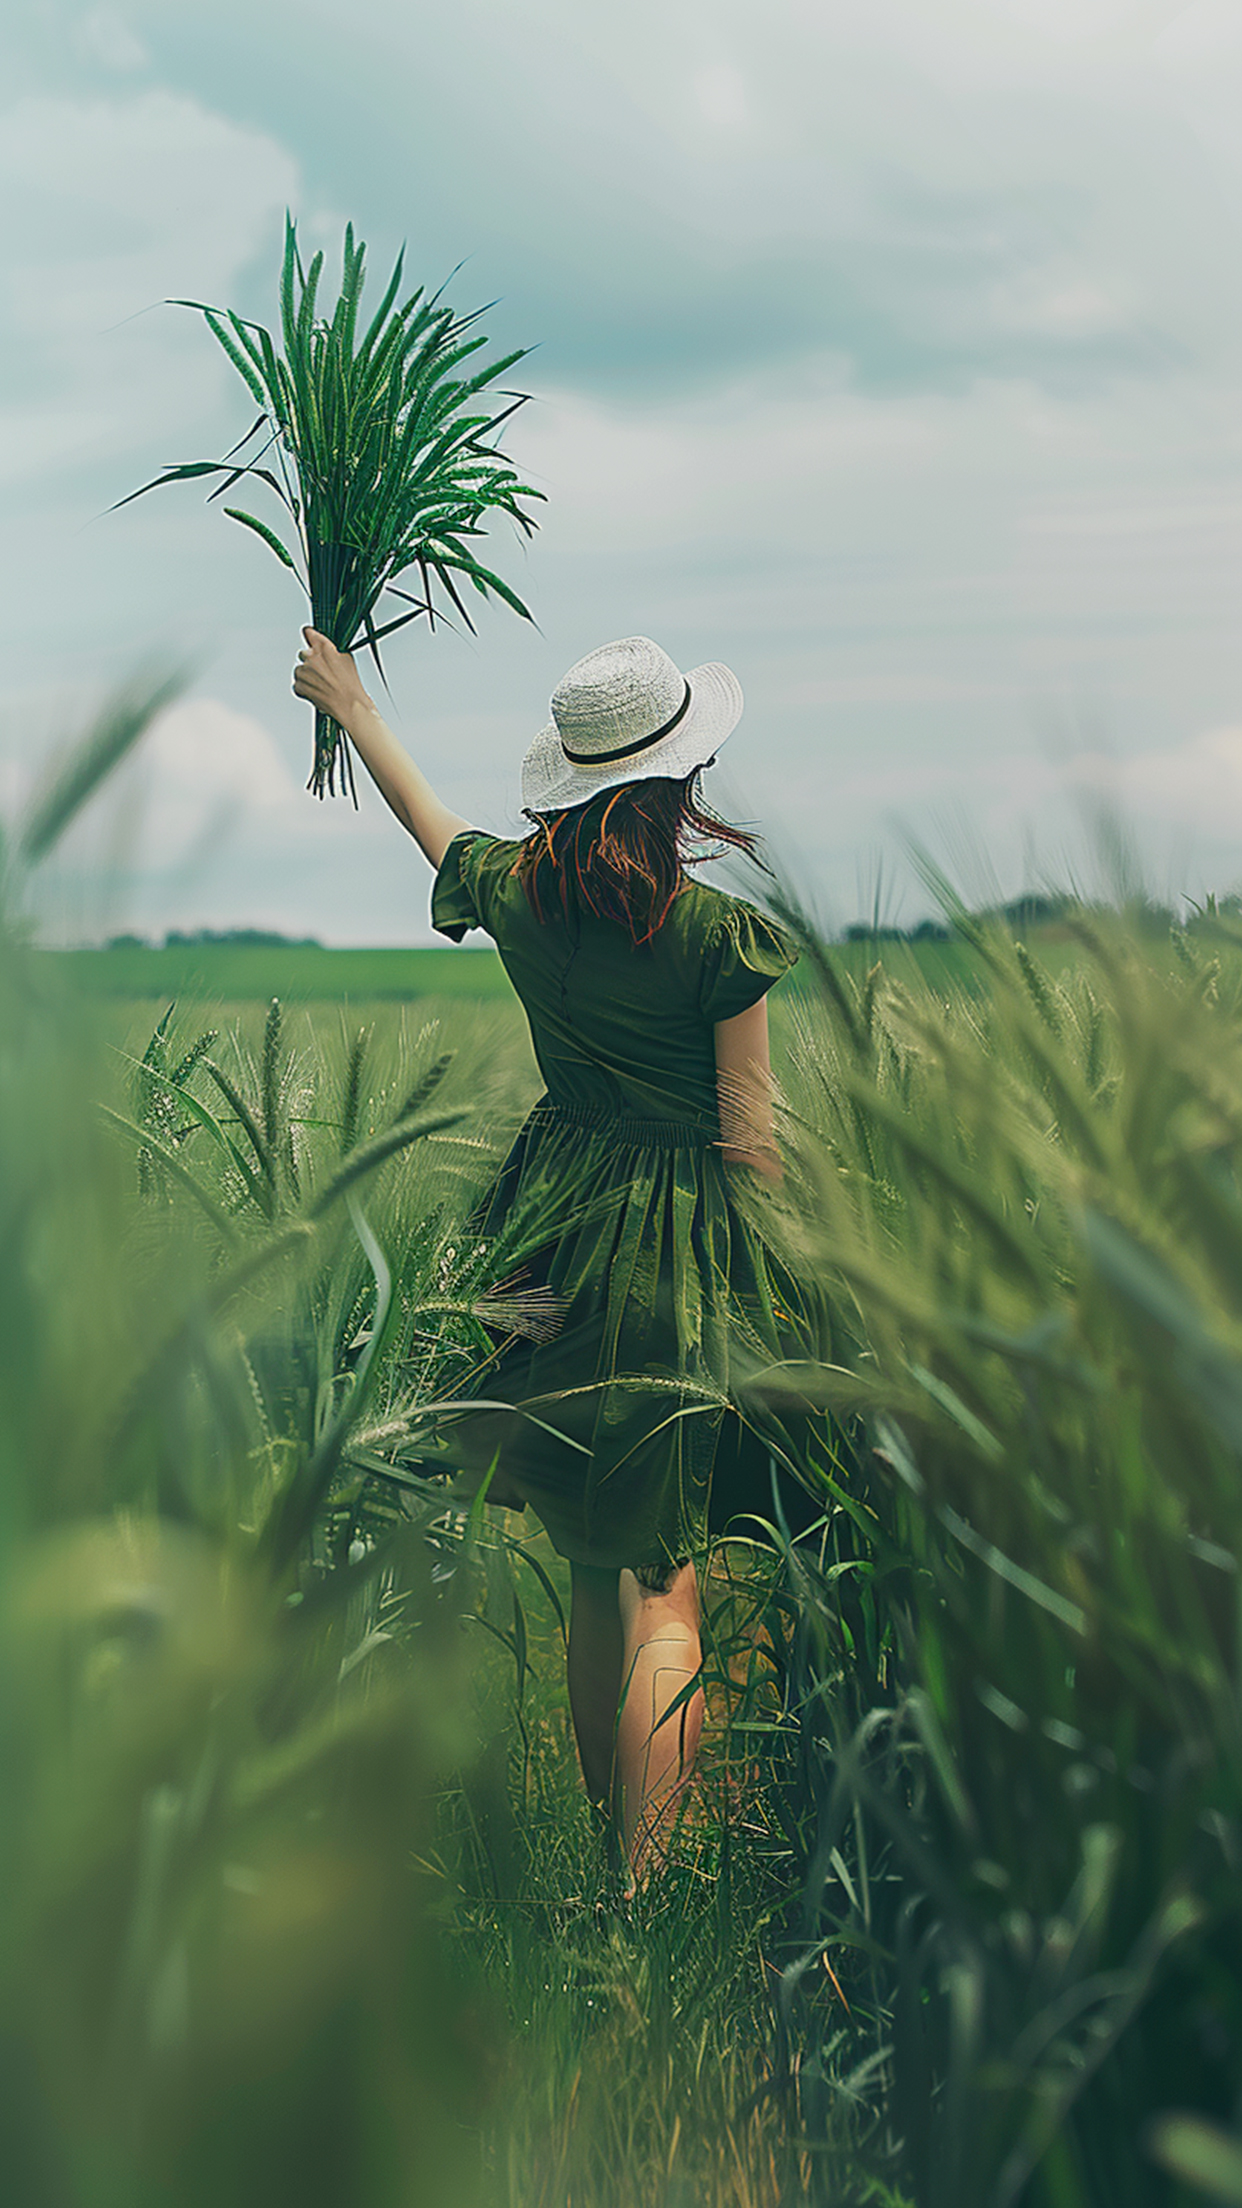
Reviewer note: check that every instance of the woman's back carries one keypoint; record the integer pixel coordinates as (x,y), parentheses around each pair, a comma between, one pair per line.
(619,1027)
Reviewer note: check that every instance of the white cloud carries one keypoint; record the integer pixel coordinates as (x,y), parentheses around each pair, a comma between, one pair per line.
(755,455)
(1043,510)
(1195,785)
(203,761)
(1074,22)
(1200,57)
(206,773)
(202,771)
(719,92)
(1066,306)
(104,36)
(127,200)
(1179,806)
(206,824)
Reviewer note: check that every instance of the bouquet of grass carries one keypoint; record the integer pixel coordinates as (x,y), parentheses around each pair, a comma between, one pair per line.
(382,451)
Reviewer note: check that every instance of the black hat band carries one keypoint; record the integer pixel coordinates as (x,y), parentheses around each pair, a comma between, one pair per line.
(627,751)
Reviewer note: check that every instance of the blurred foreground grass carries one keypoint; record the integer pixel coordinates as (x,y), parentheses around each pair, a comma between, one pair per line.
(298,1896)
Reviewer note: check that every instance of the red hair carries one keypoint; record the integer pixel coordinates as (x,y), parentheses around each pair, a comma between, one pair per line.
(624,853)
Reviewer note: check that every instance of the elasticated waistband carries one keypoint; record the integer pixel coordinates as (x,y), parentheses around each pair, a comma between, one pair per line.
(621,1128)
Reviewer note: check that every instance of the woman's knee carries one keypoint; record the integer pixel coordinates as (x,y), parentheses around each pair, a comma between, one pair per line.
(646,1611)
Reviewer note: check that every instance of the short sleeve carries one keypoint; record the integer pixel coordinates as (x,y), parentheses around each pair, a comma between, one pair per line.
(744,955)
(457,897)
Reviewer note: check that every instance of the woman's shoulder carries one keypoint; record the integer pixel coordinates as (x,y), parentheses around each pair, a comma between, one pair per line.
(469,881)
(481,848)
(735,951)
(704,913)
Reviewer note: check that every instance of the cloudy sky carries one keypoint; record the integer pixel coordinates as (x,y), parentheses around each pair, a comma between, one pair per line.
(888,349)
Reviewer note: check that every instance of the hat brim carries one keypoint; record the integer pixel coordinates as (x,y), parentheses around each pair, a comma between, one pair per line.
(550,781)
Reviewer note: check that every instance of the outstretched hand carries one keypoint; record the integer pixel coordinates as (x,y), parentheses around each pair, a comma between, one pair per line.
(328,678)
(331,682)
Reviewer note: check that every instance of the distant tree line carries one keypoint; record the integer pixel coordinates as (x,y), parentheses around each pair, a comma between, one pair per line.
(1020,913)
(1031,911)
(252,939)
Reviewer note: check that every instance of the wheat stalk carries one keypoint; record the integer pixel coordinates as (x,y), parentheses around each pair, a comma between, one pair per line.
(381,449)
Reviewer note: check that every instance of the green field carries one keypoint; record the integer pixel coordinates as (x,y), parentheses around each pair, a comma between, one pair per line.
(302,973)
(294,972)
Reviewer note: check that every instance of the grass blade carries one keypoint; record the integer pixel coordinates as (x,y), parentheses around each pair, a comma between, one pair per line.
(124,720)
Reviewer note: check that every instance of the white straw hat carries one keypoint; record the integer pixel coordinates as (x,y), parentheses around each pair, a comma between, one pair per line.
(624,714)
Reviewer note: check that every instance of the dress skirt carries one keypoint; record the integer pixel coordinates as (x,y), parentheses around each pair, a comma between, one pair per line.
(669,1307)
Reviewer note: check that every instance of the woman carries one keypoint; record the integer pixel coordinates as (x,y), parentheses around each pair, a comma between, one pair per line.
(645,993)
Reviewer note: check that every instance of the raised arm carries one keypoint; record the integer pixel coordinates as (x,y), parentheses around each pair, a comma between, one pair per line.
(744,1086)
(332,683)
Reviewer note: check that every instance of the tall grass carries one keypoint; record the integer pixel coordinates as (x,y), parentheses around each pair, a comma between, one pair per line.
(1030,1199)
(224,1710)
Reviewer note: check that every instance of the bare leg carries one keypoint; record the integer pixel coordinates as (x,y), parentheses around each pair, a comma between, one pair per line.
(595,1672)
(655,1759)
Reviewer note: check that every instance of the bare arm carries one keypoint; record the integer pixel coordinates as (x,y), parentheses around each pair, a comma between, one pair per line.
(332,683)
(744,1086)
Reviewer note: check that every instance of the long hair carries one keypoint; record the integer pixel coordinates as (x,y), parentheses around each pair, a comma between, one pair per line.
(624,853)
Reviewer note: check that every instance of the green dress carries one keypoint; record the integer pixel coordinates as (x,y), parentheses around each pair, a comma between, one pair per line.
(616,1186)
